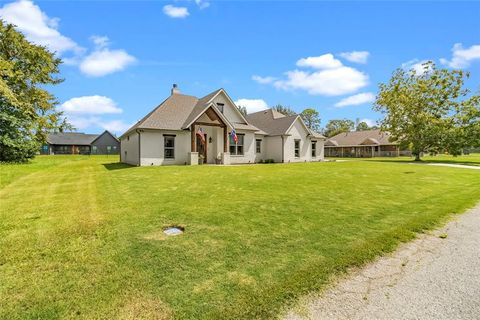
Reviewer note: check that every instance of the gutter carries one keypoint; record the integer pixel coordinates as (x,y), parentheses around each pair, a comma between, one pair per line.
(139,149)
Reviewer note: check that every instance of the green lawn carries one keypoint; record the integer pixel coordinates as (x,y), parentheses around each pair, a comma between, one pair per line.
(80,237)
(471,159)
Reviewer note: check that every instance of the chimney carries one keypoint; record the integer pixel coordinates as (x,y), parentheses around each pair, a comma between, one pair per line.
(175,89)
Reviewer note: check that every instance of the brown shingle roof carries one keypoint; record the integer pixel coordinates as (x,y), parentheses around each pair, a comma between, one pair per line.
(271,121)
(358,138)
(178,111)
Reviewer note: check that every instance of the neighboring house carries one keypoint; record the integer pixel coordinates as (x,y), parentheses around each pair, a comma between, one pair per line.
(363,144)
(81,143)
(185,129)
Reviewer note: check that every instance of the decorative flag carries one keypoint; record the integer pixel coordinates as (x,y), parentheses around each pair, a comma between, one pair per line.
(234,136)
(201,135)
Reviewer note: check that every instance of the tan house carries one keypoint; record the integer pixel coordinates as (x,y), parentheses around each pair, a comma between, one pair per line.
(363,144)
(185,129)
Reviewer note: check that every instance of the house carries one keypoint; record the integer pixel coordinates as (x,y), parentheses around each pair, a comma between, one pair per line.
(185,129)
(81,143)
(363,144)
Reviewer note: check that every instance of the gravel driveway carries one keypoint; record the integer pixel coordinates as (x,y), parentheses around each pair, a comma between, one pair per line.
(430,278)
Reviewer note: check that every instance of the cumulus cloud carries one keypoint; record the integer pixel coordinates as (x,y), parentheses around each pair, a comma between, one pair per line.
(92,122)
(103,61)
(175,12)
(37,26)
(252,105)
(263,80)
(361,98)
(329,77)
(330,82)
(326,61)
(356,56)
(202,4)
(416,65)
(369,122)
(462,57)
(90,105)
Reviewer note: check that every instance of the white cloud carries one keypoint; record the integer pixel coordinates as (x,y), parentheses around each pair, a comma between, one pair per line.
(326,61)
(90,105)
(92,122)
(369,122)
(114,125)
(252,105)
(202,4)
(37,26)
(361,98)
(356,56)
(461,57)
(175,12)
(416,65)
(103,61)
(330,82)
(263,80)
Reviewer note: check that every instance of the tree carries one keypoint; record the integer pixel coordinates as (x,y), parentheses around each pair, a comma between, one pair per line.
(27,110)
(243,110)
(335,127)
(362,126)
(311,117)
(285,110)
(429,111)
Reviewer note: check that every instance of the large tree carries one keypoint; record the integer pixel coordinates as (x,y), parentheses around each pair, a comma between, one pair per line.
(27,109)
(311,117)
(335,127)
(285,110)
(430,111)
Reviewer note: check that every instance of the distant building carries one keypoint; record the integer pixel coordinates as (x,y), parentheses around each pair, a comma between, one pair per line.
(81,143)
(363,144)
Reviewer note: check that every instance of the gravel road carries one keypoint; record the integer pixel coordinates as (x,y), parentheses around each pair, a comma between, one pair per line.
(432,277)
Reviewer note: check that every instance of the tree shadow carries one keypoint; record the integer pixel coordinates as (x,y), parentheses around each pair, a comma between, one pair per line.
(467,163)
(117,166)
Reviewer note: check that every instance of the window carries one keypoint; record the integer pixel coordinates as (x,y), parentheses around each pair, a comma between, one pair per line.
(169,147)
(128,138)
(115,149)
(297,148)
(109,148)
(45,148)
(220,107)
(258,145)
(314,149)
(236,149)
(94,149)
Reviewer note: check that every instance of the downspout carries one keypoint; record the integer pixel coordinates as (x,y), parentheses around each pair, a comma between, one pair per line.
(283,150)
(139,149)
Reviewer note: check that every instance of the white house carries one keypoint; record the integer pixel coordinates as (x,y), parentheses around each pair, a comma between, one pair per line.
(184,129)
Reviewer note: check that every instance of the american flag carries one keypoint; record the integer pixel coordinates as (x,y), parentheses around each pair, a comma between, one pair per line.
(234,136)
(201,135)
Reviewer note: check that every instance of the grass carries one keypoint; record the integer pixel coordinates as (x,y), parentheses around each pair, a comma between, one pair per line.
(80,237)
(471,159)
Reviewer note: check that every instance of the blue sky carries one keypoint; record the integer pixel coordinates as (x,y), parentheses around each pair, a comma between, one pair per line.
(122,57)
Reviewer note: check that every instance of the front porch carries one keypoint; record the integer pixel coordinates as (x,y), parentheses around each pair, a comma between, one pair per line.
(213,147)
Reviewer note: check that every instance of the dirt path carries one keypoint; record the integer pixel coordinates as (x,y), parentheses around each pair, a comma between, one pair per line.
(432,277)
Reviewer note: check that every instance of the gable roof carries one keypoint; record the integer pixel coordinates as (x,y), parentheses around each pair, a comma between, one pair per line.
(178,111)
(275,123)
(104,133)
(71,138)
(358,138)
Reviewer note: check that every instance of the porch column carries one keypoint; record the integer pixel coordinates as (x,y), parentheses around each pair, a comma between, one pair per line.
(225,139)
(193,142)
(373,151)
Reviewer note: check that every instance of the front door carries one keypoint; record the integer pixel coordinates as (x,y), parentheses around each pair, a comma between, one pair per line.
(202,148)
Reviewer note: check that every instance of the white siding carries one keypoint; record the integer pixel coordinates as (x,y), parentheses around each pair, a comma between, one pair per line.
(248,149)
(152,147)
(129,149)
(263,146)
(230,111)
(273,148)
